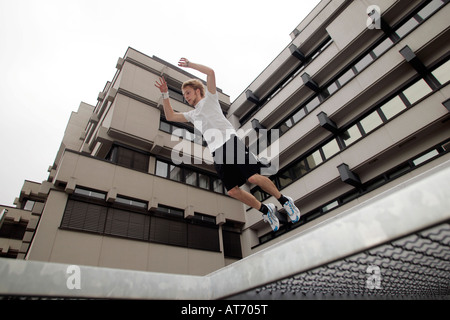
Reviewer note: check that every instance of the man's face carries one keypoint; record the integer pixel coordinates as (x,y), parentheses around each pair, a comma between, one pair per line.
(191,96)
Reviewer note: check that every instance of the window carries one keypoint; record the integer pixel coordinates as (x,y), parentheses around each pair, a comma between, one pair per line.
(370,122)
(231,244)
(167,231)
(217,185)
(181,132)
(330,149)
(430,9)
(127,224)
(132,159)
(351,135)
(188,176)
(176,94)
(171,211)
(399,171)
(363,63)
(425,157)
(346,77)
(376,182)
(378,50)
(299,115)
(131,202)
(383,47)
(84,216)
(203,181)
(443,73)
(314,159)
(175,173)
(332,88)
(161,169)
(330,206)
(417,91)
(310,106)
(286,126)
(203,237)
(260,195)
(204,218)
(285,178)
(89,193)
(164,126)
(167,225)
(299,169)
(13,230)
(191,177)
(29,204)
(407,27)
(393,107)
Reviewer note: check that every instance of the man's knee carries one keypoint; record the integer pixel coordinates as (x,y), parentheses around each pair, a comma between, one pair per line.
(254,179)
(234,192)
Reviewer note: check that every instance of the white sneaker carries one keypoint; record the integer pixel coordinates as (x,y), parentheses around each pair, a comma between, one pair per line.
(292,210)
(271,218)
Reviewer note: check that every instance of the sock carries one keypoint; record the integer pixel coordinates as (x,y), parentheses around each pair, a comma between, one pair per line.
(264,209)
(283,200)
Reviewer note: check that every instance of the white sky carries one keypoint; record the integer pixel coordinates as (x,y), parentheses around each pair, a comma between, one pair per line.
(56,53)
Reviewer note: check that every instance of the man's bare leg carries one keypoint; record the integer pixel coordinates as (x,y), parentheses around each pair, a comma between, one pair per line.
(287,202)
(266,184)
(268,211)
(245,197)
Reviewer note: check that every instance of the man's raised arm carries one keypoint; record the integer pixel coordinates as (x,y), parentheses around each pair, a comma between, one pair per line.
(168,111)
(210,75)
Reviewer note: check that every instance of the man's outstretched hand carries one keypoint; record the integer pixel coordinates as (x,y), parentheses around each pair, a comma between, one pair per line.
(162,85)
(183,63)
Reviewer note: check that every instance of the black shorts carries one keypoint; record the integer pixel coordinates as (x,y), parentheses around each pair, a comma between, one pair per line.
(234,163)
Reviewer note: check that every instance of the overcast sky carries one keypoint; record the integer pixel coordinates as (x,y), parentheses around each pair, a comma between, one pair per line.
(56,53)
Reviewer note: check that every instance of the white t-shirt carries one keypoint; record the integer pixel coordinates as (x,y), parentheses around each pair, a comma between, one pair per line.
(208,118)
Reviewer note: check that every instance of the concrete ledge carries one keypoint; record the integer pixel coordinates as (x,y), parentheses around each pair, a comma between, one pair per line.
(414,205)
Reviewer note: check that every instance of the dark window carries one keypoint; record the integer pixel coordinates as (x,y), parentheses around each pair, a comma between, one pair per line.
(127,224)
(166,226)
(169,211)
(203,237)
(232,244)
(84,216)
(285,178)
(168,231)
(12,230)
(189,176)
(131,202)
(89,193)
(129,158)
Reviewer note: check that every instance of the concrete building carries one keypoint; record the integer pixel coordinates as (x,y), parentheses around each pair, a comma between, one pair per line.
(359,100)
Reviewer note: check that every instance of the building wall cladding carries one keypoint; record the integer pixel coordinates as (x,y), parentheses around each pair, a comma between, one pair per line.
(340,95)
(351,99)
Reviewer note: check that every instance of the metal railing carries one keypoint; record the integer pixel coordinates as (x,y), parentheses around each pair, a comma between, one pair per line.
(353,248)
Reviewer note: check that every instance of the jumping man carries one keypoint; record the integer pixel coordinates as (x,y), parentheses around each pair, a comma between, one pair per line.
(207,115)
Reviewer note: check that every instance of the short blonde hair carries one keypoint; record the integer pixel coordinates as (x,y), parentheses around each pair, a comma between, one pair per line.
(194,84)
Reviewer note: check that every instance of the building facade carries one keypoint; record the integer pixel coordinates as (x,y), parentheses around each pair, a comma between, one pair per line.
(356,103)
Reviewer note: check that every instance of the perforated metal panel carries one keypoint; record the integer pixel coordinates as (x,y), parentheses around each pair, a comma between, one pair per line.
(414,266)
